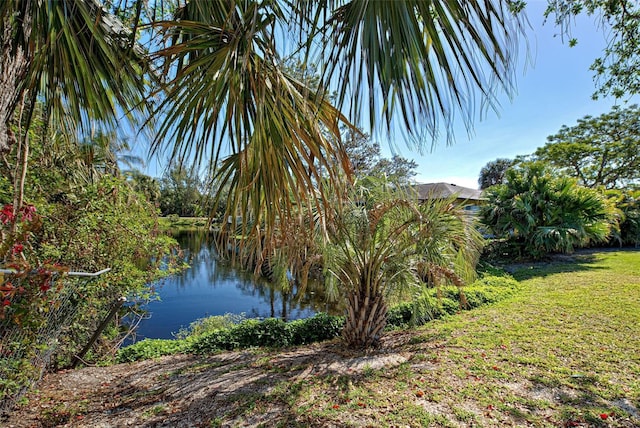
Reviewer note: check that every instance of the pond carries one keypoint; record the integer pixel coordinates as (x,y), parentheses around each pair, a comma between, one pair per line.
(212,287)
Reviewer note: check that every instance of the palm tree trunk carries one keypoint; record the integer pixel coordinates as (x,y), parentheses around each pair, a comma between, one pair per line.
(366,317)
(15,31)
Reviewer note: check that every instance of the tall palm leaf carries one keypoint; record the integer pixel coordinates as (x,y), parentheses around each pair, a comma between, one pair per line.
(76,59)
(230,96)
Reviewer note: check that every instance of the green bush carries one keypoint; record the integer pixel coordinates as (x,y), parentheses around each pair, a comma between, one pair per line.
(400,315)
(489,289)
(270,332)
(536,213)
(316,329)
(209,324)
(151,348)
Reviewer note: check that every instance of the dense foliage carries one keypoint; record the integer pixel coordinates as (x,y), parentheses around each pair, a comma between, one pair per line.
(367,160)
(222,95)
(78,217)
(183,192)
(536,213)
(494,172)
(627,203)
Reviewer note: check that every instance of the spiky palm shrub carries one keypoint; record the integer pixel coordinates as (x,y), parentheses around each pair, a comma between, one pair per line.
(627,212)
(538,213)
(380,242)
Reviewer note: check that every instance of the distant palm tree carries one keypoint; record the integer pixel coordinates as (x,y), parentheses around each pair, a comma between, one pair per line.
(104,153)
(537,213)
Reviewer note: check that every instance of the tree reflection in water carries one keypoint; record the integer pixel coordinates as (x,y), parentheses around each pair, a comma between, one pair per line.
(213,287)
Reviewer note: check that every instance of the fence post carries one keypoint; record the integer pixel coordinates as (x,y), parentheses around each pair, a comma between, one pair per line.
(118,304)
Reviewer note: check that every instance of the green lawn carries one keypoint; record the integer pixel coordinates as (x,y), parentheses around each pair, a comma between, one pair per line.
(564,352)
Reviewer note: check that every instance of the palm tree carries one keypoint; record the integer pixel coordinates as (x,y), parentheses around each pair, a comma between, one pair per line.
(75,58)
(103,152)
(226,90)
(226,96)
(383,241)
(538,213)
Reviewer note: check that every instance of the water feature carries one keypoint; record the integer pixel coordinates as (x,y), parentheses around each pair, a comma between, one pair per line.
(211,287)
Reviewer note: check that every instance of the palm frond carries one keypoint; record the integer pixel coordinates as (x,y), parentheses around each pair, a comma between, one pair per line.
(230,98)
(427,59)
(84,66)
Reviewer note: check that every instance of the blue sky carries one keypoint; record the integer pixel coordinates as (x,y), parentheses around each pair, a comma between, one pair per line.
(553,89)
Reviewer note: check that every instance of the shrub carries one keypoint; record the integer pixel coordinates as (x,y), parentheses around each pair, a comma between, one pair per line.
(627,203)
(316,329)
(213,341)
(270,332)
(488,289)
(209,324)
(536,213)
(150,348)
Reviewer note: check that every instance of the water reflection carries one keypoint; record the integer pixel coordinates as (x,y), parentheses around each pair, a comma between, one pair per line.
(212,287)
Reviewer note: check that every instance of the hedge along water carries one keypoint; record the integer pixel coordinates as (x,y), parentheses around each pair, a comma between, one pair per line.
(213,287)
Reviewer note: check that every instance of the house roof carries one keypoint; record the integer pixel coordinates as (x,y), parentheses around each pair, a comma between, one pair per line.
(446,190)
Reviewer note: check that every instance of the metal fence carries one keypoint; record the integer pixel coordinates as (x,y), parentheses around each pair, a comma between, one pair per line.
(26,349)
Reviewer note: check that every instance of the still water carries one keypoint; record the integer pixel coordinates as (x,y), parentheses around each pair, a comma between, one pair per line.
(211,287)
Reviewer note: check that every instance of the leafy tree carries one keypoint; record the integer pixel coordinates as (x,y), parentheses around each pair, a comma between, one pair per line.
(538,213)
(80,224)
(104,152)
(598,151)
(181,191)
(398,169)
(362,152)
(616,71)
(494,172)
(367,161)
(145,185)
